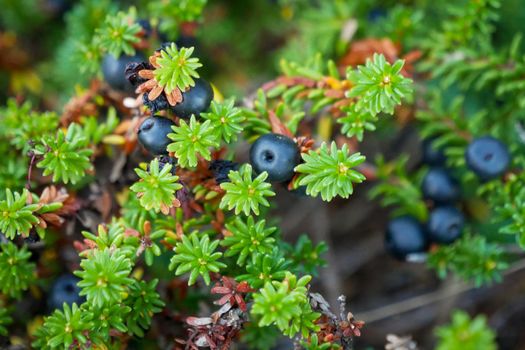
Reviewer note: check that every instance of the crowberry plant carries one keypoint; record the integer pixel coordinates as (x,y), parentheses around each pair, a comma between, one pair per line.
(167,166)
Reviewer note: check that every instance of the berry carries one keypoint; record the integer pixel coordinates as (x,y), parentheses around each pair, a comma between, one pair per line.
(146,27)
(404,236)
(64,290)
(439,186)
(114,71)
(487,157)
(158,104)
(432,155)
(445,224)
(132,72)
(277,155)
(195,100)
(220,169)
(153,134)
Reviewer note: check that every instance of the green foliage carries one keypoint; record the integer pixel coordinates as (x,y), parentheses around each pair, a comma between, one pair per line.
(156,187)
(264,268)
(314,344)
(177,68)
(95,130)
(65,156)
(106,318)
(248,237)
(192,140)
(225,120)
(5,320)
(244,193)
(356,122)
(306,257)
(144,302)
(379,85)
(470,257)
(399,190)
(465,333)
(119,33)
(260,338)
(63,328)
(329,172)
(285,305)
(197,256)
(104,277)
(173,14)
(16,271)
(16,215)
(508,200)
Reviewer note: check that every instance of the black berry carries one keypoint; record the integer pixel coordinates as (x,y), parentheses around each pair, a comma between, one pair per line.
(445,224)
(405,235)
(432,155)
(195,100)
(132,72)
(114,71)
(487,157)
(158,104)
(220,169)
(439,186)
(153,134)
(64,290)
(276,154)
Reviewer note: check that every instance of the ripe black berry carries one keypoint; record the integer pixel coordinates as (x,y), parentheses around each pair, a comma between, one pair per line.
(276,154)
(153,134)
(220,169)
(64,290)
(195,100)
(432,155)
(445,224)
(405,235)
(114,71)
(439,186)
(487,157)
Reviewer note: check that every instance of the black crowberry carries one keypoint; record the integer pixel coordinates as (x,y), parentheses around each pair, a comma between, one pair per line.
(445,224)
(487,157)
(158,104)
(276,154)
(405,235)
(195,100)
(432,155)
(220,169)
(114,71)
(64,290)
(132,72)
(439,186)
(153,134)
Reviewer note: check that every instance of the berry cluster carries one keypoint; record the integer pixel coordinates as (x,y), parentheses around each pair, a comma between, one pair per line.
(405,236)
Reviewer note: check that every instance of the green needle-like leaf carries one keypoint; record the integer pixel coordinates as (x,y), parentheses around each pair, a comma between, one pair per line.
(245,194)
(197,256)
(119,33)
(177,68)
(191,140)
(329,172)
(379,85)
(225,120)
(16,271)
(156,187)
(248,238)
(66,155)
(16,217)
(104,277)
